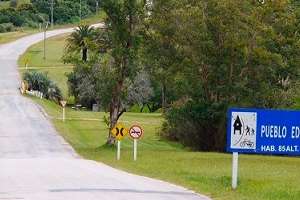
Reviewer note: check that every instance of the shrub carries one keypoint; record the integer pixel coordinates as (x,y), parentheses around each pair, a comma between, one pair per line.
(81,83)
(13,3)
(6,27)
(41,82)
(198,125)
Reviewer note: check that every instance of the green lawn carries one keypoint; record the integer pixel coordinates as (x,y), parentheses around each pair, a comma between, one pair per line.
(12,36)
(261,177)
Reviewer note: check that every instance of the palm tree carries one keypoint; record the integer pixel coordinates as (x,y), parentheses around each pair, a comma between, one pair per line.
(79,39)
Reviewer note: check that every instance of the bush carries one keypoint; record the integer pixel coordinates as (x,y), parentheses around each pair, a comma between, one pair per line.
(6,27)
(81,83)
(41,82)
(13,3)
(198,125)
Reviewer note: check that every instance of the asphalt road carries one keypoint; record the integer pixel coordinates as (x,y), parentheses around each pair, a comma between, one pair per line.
(37,164)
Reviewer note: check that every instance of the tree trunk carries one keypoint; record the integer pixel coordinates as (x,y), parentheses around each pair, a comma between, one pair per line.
(115,111)
(84,54)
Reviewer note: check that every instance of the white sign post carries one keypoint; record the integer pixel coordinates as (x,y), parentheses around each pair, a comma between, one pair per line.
(235,167)
(119,132)
(63,103)
(135,132)
(119,150)
(135,149)
(243,128)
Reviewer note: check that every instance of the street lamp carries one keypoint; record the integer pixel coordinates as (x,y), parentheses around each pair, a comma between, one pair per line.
(97,6)
(80,9)
(45,31)
(52,13)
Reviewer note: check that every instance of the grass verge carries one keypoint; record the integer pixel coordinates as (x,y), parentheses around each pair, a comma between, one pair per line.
(12,36)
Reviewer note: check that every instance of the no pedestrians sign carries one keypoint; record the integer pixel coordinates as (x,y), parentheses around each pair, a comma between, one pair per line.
(136,132)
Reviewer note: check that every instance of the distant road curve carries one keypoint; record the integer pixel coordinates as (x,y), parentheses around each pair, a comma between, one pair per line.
(37,164)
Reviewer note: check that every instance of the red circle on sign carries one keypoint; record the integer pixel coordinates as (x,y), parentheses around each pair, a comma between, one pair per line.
(136,132)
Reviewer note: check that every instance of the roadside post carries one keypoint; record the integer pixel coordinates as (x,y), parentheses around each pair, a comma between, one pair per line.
(135,132)
(63,103)
(26,63)
(261,131)
(119,132)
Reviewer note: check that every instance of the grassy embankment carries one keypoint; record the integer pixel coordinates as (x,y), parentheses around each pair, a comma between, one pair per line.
(261,177)
(12,36)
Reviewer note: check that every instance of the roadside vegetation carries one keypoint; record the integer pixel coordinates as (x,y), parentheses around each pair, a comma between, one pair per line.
(261,177)
(12,36)
(53,65)
(17,14)
(19,18)
(232,54)
(186,66)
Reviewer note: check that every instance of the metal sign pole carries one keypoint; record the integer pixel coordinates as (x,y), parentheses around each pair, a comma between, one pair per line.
(235,162)
(134,149)
(119,150)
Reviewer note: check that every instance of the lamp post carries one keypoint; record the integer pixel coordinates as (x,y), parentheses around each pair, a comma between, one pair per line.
(52,13)
(97,6)
(45,32)
(80,14)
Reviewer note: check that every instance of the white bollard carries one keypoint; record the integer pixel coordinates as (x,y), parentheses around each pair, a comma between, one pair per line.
(235,161)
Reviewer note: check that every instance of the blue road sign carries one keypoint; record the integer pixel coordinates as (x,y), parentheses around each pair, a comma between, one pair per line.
(263,131)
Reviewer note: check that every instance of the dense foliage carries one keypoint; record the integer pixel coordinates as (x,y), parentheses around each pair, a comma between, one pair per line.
(39,11)
(232,53)
(196,59)
(118,42)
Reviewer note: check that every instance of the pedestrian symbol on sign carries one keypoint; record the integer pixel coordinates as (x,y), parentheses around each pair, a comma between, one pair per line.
(243,135)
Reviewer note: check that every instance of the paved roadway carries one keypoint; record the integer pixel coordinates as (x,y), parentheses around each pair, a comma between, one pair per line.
(37,164)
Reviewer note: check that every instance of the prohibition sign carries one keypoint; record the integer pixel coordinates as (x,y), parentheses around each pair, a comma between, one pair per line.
(136,132)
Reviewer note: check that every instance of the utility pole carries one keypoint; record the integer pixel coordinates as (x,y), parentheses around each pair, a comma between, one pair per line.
(80,14)
(52,13)
(97,6)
